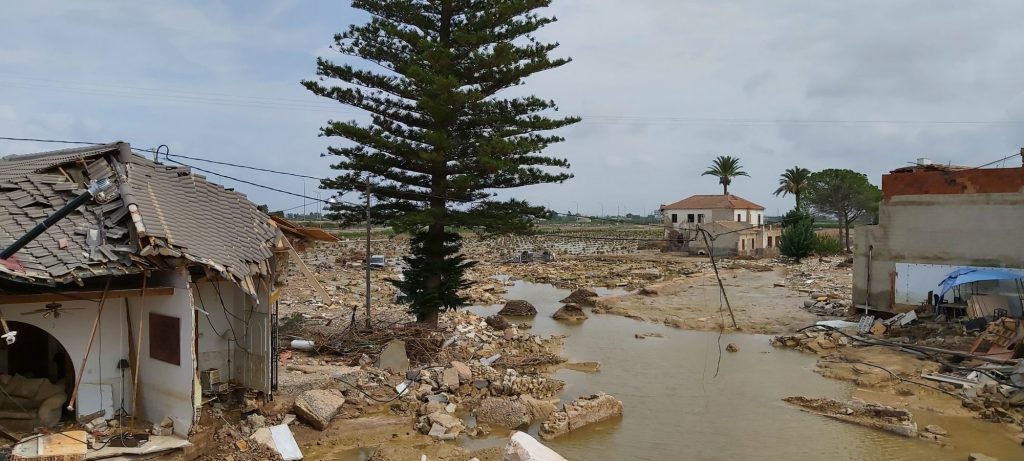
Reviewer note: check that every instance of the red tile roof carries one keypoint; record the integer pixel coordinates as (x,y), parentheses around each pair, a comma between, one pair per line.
(713,202)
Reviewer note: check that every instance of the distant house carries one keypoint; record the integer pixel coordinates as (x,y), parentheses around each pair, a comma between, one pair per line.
(737,223)
(127,303)
(935,219)
(709,208)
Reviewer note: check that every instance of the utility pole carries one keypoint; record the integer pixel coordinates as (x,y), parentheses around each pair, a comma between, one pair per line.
(368,252)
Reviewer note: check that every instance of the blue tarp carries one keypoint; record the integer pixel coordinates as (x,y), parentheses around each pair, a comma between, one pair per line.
(967,275)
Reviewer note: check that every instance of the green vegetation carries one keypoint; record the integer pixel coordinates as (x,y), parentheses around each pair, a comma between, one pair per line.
(793,181)
(441,139)
(725,167)
(798,239)
(827,245)
(845,194)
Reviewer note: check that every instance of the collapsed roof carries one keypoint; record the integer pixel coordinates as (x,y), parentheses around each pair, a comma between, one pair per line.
(157,216)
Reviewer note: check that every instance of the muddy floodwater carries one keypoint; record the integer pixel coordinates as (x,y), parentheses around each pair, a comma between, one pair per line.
(676,408)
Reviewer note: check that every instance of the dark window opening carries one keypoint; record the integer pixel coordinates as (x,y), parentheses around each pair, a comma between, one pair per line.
(165,338)
(675,217)
(739,218)
(690,218)
(700,218)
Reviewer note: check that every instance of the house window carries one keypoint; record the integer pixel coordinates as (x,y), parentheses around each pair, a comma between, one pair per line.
(739,217)
(743,244)
(700,218)
(690,217)
(758,219)
(675,217)
(769,241)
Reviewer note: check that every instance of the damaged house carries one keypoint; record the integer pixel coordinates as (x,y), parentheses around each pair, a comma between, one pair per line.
(938,222)
(153,296)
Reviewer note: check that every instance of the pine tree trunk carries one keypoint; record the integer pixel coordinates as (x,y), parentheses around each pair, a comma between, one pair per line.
(846,228)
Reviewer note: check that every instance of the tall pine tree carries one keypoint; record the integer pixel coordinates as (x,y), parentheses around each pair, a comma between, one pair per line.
(440,141)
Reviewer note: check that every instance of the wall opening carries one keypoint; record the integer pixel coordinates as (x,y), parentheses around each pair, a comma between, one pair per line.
(34,356)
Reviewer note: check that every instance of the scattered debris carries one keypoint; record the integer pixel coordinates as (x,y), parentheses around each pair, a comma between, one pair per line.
(856,411)
(318,407)
(393,357)
(732,347)
(498,322)
(522,447)
(586,367)
(279,439)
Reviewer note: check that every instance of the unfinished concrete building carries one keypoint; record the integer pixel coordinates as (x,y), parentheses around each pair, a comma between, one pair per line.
(933,220)
(152,298)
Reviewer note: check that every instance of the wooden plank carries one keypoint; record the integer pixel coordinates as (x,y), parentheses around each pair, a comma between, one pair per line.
(312,278)
(63,444)
(81,295)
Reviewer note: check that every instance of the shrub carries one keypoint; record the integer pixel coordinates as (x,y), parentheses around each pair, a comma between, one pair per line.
(798,239)
(827,245)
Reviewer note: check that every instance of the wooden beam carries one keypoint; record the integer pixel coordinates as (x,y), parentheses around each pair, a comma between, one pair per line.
(81,295)
(312,278)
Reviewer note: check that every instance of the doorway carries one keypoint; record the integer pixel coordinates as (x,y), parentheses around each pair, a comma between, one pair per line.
(36,354)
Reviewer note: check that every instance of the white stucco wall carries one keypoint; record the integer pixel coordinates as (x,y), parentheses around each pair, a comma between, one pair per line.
(72,331)
(682,214)
(165,389)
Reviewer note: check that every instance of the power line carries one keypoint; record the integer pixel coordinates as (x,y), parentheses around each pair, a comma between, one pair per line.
(54,141)
(241,100)
(248,167)
(1000,160)
(267,170)
(243,181)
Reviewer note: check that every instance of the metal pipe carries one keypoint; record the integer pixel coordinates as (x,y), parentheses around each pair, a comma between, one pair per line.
(76,202)
(368,255)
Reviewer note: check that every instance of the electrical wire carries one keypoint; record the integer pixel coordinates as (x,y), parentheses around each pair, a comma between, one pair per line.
(53,141)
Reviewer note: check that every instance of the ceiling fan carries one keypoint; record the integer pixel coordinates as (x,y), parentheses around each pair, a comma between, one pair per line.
(52,310)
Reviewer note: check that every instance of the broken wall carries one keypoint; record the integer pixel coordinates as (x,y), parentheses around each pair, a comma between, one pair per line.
(72,330)
(981,230)
(234,333)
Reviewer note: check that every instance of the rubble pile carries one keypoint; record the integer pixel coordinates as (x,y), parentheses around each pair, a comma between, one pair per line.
(503,412)
(819,342)
(826,305)
(518,308)
(570,313)
(581,296)
(828,277)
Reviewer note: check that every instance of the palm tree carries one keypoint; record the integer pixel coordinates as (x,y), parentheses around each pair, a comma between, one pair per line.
(725,167)
(793,181)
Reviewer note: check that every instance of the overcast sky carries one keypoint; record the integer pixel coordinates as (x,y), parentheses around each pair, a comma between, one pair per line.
(663,87)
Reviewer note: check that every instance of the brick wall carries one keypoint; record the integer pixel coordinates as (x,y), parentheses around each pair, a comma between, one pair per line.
(980,181)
